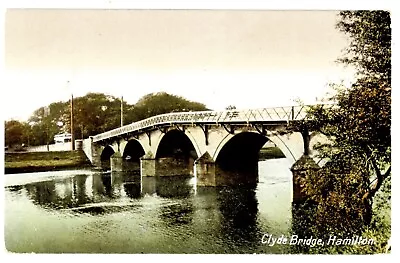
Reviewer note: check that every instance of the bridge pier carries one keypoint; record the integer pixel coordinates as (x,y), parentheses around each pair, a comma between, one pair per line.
(119,164)
(116,162)
(149,185)
(300,169)
(205,170)
(147,167)
(171,166)
(166,166)
(95,154)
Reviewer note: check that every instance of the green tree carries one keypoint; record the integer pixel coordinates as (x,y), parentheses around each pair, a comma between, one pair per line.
(159,103)
(14,133)
(359,127)
(94,113)
(28,137)
(45,123)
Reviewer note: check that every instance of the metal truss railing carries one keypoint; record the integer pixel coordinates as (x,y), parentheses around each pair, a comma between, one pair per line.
(267,115)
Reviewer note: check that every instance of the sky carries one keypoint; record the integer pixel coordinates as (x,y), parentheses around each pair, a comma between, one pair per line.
(246,58)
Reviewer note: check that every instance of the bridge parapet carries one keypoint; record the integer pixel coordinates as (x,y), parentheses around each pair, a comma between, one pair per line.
(277,114)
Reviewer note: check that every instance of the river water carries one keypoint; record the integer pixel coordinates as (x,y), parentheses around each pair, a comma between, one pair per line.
(86,211)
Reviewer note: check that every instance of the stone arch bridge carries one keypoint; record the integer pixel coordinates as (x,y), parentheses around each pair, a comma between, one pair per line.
(218,147)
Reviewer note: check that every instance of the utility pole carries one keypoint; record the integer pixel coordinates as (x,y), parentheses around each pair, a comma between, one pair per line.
(72,123)
(122,111)
(46,113)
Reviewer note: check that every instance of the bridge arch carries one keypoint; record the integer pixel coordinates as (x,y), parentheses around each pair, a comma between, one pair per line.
(176,143)
(175,154)
(291,145)
(247,134)
(237,159)
(195,143)
(107,152)
(237,149)
(105,156)
(133,151)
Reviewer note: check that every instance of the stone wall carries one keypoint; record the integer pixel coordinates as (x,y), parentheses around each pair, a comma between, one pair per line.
(58,147)
(87,148)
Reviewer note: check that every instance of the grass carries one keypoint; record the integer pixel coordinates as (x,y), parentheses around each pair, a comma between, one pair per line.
(24,162)
(43,161)
(270,153)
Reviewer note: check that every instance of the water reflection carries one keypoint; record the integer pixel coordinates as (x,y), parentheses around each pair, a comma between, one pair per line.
(151,214)
(173,187)
(107,186)
(238,208)
(132,189)
(177,214)
(102,187)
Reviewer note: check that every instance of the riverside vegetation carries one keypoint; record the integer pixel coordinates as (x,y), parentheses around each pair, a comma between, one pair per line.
(44,161)
(23,162)
(351,194)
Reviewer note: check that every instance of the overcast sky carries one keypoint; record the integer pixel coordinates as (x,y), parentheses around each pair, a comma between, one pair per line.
(249,59)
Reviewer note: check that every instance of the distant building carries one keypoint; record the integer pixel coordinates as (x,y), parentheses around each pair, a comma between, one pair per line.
(63,138)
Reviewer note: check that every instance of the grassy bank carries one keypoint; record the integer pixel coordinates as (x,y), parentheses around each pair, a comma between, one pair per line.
(44,161)
(25,162)
(270,153)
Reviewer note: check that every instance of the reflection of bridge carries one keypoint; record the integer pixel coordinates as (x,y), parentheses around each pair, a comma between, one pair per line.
(219,148)
(82,192)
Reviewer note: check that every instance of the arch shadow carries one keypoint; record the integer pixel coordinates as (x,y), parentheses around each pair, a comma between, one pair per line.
(237,162)
(106,154)
(132,153)
(175,154)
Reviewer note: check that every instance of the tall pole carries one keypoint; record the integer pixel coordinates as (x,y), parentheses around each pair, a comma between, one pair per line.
(122,111)
(72,123)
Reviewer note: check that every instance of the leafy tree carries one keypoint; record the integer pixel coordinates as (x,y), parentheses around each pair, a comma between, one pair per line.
(359,127)
(14,133)
(45,123)
(93,113)
(158,103)
(28,137)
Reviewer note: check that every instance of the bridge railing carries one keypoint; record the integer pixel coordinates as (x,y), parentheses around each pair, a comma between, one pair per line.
(276,114)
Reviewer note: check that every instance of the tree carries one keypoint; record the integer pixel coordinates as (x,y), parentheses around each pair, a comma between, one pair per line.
(159,103)
(94,113)
(45,122)
(359,127)
(14,133)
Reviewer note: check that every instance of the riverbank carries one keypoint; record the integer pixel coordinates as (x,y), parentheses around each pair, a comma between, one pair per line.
(270,153)
(26,162)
